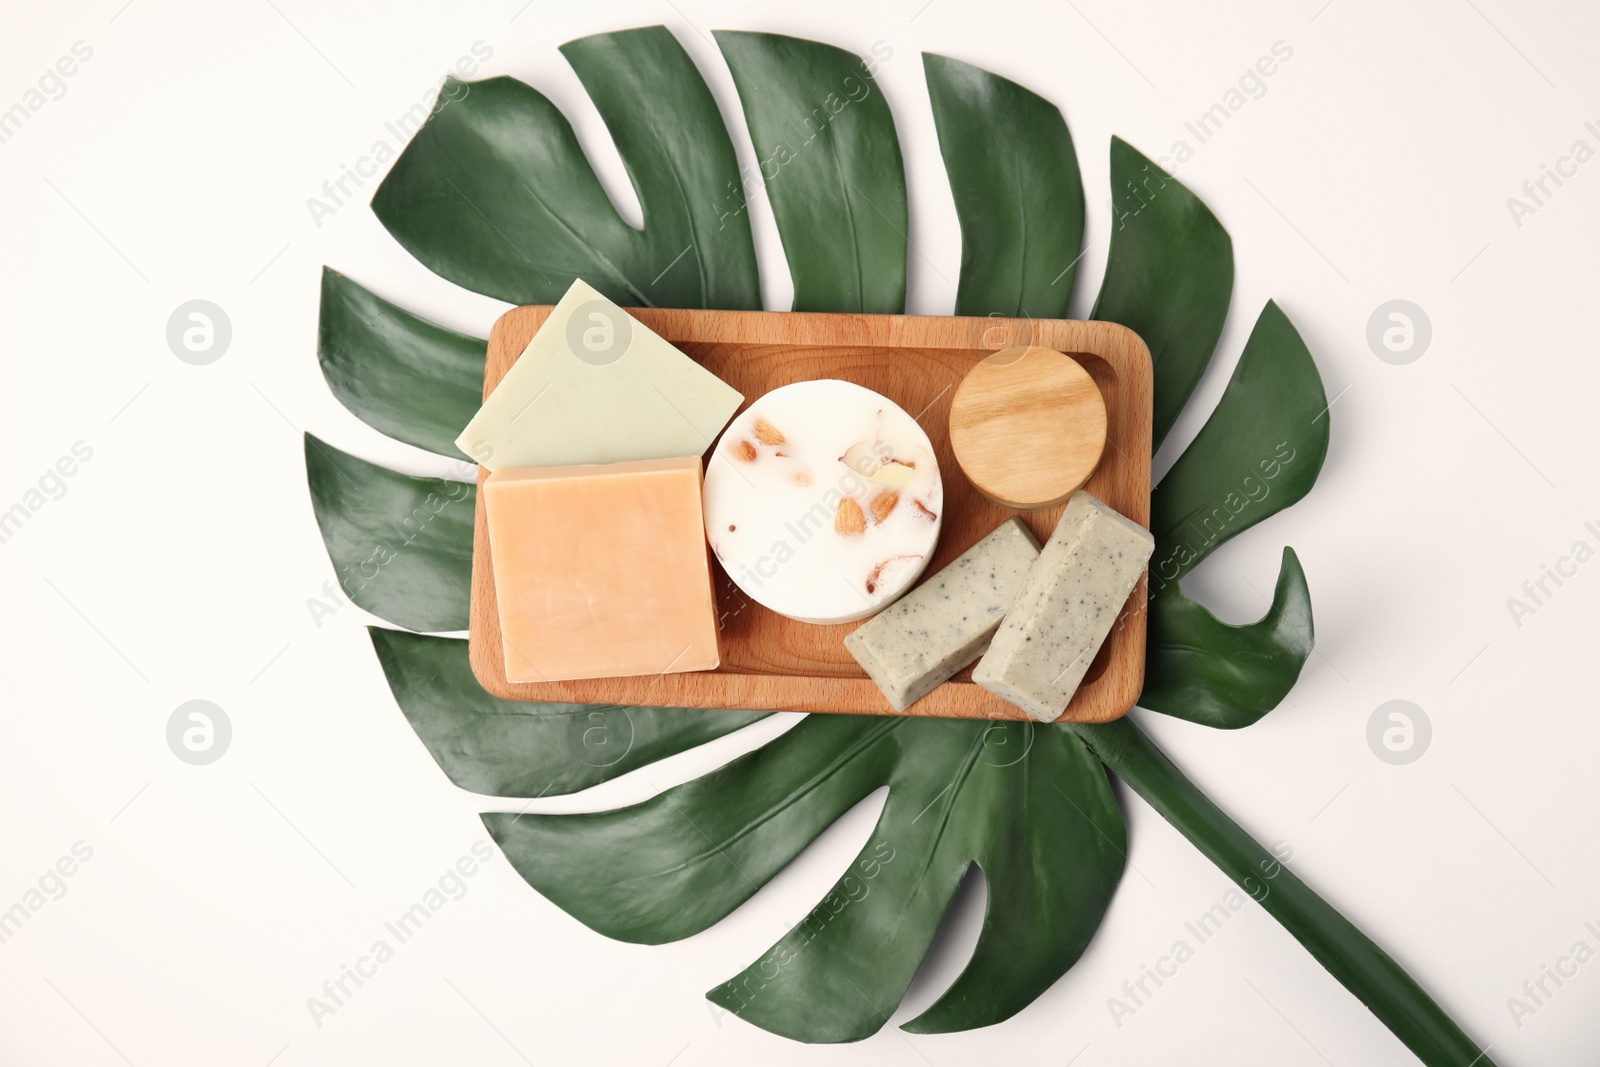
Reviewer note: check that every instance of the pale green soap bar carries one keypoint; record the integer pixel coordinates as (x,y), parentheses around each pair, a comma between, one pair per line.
(595,385)
(1067,608)
(945,623)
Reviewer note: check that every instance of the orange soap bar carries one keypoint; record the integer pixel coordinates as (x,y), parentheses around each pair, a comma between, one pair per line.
(602,571)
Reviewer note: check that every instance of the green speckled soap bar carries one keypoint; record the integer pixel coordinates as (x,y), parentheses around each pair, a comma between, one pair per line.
(945,623)
(1072,598)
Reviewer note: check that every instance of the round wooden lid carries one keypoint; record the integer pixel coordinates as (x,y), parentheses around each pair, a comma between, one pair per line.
(1028,425)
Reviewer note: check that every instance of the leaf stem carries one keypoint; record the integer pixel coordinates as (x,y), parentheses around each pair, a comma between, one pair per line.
(1348,954)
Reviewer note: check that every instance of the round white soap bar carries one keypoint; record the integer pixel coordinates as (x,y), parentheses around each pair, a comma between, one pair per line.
(823,501)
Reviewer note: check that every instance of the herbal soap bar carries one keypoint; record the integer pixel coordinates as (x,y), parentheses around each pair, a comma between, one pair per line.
(601,571)
(1068,606)
(597,386)
(823,501)
(945,623)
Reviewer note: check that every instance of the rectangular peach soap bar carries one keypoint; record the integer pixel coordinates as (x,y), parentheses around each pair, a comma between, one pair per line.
(602,571)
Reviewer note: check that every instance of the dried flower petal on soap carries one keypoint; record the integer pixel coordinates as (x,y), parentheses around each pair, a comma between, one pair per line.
(862,458)
(923,510)
(877,572)
(894,472)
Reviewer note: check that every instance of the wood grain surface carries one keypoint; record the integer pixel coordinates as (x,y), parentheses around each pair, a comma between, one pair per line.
(1028,426)
(773,663)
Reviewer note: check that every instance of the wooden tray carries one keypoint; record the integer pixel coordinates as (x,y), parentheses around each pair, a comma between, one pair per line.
(773,663)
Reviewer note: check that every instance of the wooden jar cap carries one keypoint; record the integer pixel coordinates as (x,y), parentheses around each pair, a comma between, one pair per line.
(1028,425)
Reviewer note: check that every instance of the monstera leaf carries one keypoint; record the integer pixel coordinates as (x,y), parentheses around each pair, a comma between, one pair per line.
(414,381)
(670,867)
(1018,198)
(402,546)
(515,748)
(494,193)
(831,163)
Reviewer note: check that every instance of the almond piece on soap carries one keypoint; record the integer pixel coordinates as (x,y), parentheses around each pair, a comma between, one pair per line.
(742,450)
(849,520)
(768,434)
(884,503)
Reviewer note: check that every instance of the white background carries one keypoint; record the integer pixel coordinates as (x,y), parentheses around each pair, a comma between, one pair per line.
(179,563)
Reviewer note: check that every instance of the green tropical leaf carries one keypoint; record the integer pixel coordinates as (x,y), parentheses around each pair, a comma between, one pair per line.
(682,860)
(402,546)
(494,191)
(1168,278)
(1199,668)
(830,162)
(1019,199)
(512,748)
(1260,452)
(416,382)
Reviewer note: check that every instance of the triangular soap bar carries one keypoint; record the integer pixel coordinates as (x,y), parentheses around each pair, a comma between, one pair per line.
(595,385)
